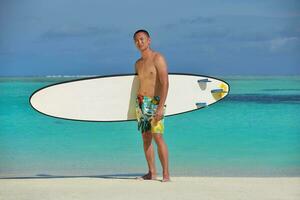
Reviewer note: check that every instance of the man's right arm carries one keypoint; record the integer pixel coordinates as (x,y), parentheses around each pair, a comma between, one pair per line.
(136,66)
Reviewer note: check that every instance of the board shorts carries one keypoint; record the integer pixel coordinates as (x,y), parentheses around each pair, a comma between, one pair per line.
(145,108)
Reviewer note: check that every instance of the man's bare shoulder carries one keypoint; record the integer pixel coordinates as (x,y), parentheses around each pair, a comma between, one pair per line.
(159,59)
(158,56)
(138,61)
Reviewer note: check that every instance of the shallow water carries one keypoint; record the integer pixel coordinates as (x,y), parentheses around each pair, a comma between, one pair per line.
(254,131)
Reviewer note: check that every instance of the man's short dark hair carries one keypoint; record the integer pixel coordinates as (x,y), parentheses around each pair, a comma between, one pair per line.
(141,30)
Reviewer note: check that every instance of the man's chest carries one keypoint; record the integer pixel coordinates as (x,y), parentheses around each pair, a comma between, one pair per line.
(147,70)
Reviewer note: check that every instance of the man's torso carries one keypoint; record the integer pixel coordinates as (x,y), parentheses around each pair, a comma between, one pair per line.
(148,77)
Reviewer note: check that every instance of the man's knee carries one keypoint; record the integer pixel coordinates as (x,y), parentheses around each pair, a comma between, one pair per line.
(147,137)
(157,137)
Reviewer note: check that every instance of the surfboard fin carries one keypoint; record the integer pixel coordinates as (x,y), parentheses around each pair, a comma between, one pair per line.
(201,104)
(203,80)
(220,90)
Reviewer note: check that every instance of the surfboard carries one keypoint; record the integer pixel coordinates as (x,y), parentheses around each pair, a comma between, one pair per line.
(112,98)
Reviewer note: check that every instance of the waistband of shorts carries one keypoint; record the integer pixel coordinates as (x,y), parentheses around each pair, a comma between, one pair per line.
(143,96)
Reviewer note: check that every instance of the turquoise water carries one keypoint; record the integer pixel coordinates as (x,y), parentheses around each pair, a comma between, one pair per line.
(255,131)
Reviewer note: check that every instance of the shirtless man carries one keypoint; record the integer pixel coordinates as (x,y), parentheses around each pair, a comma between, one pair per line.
(152,73)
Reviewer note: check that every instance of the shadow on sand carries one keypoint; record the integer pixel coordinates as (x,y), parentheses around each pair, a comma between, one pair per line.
(106,176)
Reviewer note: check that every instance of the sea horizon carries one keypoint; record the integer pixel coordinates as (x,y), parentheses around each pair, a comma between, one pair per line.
(108,74)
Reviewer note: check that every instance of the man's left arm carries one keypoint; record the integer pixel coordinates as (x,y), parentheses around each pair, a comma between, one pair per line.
(162,70)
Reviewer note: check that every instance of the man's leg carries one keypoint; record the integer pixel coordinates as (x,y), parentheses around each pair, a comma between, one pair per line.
(149,154)
(163,155)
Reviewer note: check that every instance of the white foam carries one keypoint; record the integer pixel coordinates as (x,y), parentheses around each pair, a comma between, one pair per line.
(65,76)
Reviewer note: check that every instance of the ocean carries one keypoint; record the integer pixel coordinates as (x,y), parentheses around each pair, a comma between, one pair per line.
(253,132)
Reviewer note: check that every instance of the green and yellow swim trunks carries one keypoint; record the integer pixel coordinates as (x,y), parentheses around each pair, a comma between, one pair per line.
(145,110)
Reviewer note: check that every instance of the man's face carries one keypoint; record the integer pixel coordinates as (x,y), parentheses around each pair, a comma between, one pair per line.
(142,41)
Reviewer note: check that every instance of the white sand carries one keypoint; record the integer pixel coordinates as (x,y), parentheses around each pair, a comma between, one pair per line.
(180,188)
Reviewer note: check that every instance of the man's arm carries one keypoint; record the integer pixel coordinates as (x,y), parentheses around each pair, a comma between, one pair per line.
(162,69)
(135,66)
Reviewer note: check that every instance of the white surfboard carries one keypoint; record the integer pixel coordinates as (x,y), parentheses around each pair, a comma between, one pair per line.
(112,98)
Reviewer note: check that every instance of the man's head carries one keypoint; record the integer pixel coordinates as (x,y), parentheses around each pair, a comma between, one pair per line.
(142,39)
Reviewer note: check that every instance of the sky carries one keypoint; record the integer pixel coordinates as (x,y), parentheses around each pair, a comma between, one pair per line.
(208,37)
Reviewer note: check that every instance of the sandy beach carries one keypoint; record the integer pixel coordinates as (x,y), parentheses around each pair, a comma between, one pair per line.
(129,188)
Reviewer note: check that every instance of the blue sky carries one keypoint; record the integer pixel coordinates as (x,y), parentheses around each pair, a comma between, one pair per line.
(213,37)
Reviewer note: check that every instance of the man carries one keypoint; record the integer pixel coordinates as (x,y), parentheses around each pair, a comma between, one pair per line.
(152,73)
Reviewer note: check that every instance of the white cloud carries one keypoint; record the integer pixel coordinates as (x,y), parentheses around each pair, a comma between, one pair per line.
(280,43)
(64,32)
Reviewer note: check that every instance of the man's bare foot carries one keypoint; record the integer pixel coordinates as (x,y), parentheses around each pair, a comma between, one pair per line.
(166,178)
(148,176)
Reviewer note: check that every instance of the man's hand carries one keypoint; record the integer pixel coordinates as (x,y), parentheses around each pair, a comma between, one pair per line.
(159,114)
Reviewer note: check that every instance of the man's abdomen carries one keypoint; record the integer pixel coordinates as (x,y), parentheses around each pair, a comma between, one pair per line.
(148,89)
